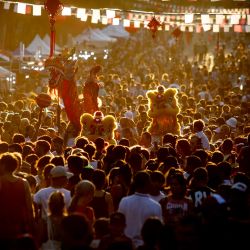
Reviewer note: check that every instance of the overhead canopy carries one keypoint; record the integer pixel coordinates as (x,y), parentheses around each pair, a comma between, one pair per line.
(5,72)
(18,52)
(116,31)
(155,5)
(4,58)
(104,36)
(93,37)
(46,39)
(38,45)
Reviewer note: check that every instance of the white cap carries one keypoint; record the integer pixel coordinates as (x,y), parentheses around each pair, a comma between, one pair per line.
(60,171)
(242,187)
(232,122)
(129,115)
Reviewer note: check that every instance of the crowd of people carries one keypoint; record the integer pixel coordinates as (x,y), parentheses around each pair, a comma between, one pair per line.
(60,190)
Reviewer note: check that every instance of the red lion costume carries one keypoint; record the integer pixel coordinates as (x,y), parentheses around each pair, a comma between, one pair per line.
(90,91)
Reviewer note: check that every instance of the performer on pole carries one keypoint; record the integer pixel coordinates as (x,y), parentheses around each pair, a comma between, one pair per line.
(90,91)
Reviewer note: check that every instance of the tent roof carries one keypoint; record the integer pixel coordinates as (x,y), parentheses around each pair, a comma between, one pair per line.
(4,58)
(46,39)
(116,31)
(104,36)
(38,44)
(91,35)
(5,72)
(17,52)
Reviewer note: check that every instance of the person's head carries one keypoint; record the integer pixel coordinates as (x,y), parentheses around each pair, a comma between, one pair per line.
(8,163)
(124,142)
(76,163)
(29,131)
(56,203)
(136,162)
(198,125)
(183,147)
(226,108)
(195,143)
(42,162)
(203,155)
(119,152)
(85,189)
(58,144)
(45,138)
(217,156)
(57,160)
(151,232)
(18,105)
(46,174)
(162,154)
(142,182)
(32,159)
(199,178)
(59,176)
(95,70)
(16,119)
(42,147)
(23,124)
(7,127)
(15,147)
(225,170)
(170,161)
(169,138)
(146,139)
(214,175)
(157,181)
(26,114)
(99,143)
(101,227)
(177,184)
(4,147)
(99,179)
(90,149)
(32,183)
(117,223)
(81,142)
(27,150)
(18,138)
(227,146)
(77,232)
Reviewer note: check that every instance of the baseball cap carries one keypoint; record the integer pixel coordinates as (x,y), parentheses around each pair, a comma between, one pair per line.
(60,171)
(232,122)
(240,186)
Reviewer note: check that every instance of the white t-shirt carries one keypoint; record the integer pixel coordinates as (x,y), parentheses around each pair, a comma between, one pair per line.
(137,208)
(42,197)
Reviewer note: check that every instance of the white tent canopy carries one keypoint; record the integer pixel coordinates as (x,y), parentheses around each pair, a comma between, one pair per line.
(4,58)
(104,36)
(38,45)
(94,37)
(5,72)
(116,31)
(46,39)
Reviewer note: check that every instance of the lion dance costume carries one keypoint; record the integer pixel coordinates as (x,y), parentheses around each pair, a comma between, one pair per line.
(163,110)
(62,78)
(98,125)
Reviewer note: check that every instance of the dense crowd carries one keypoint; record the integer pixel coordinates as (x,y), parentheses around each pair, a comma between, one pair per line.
(59,190)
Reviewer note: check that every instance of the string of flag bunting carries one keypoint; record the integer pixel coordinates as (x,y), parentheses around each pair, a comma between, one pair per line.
(189,19)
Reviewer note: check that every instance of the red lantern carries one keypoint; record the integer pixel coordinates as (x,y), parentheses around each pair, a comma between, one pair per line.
(153,25)
(176,33)
(43,100)
(54,8)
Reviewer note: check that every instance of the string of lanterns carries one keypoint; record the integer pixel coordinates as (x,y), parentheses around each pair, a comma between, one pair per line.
(237,20)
